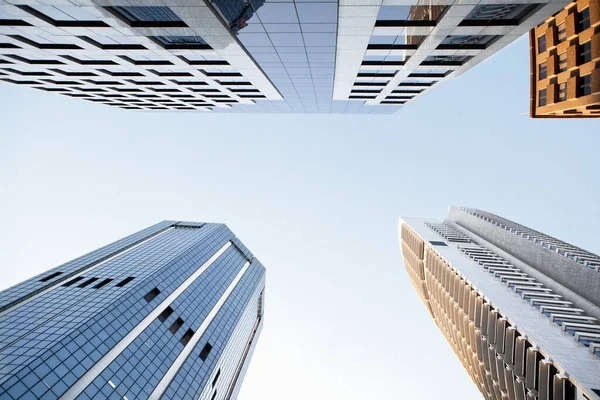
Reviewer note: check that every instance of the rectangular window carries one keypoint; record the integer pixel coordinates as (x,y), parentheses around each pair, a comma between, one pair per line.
(542,43)
(585,85)
(73,281)
(585,52)
(205,351)
(543,70)
(151,295)
(562,62)
(103,283)
(186,337)
(542,98)
(214,382)
(176,325)
(148,16)
(437,243)
(51,276)
(561,34)
(125,281)
(86,283)
(562,91)
(583,19)
(165,314)
(214,396)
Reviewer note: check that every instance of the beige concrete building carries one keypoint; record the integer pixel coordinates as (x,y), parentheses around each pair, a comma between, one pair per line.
(565,63)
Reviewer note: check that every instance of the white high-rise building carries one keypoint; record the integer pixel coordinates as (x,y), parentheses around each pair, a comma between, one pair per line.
(519,308)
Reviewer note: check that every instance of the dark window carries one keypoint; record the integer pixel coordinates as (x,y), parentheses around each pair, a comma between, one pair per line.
(499,14)
(585,85)
(214,382)
(205,351)
(562,91)
(125,281)
(446,60)
(148,16)
(73,281)
(165,314)
(214,395)
(182,42)
(585,52)
(186,337)
(151,295)
(86,283)
(543,70)
(51,276)
(542,97)
(561,34)
(562,62)
(436,243)
(542,43)
(474,42)
(103,283)
(583,19)
(176,325)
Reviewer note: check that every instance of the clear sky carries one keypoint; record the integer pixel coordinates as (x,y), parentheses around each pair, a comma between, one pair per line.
(316,198)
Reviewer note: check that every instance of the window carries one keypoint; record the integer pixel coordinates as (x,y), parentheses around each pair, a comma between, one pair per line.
(542,98)
(506,14)
(583,19)
(585,52)
(585,85)
(468,41)
(176,325)
(73,281)
(562,62)
(125,281)
(51,276)
(182,42)
(542,43)
(436,243)
(205,351)
(103,283)
(186,337)
(214,396)
(148,16)
(562,91)
(165,314)
(151,295)
(543,70)
(214,382)
(561,34)
(86,283)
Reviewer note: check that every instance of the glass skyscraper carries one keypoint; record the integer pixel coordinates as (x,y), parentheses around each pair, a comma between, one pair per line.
(173,311)
(519,308)
(301,56)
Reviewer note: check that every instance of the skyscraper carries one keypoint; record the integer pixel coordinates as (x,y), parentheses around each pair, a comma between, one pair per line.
(565,73)
(317,56)
(518,307)
(173,311)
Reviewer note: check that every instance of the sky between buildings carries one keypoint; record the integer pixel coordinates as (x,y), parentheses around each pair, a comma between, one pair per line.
(316,198)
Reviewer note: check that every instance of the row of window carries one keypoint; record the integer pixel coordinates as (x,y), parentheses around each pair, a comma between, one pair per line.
(584,55)
(583,23)
(584,88)
(99,285)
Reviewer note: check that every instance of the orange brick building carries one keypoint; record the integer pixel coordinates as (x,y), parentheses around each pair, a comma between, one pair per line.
(565,63)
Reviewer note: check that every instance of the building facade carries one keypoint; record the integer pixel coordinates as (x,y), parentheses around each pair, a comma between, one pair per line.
(173,312)
(565,63)
(520,309)
(317,56)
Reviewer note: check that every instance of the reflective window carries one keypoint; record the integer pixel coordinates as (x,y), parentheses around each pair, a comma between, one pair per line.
(507,13)
(466,41)
(182,42)
(561,34)
(146,14)
(542,98)
(450,60)
(543,70)
(542,43)
(562,62)
(585,85)
(583,19)
(562,92)
(585,52)
(411,15)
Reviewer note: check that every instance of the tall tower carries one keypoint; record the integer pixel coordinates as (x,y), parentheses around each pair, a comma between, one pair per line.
(519,308)
(173,311)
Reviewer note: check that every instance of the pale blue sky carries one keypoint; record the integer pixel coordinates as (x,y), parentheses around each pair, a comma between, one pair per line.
(316,198)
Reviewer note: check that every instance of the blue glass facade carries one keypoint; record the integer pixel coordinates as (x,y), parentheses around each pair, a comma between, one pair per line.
(168,312)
